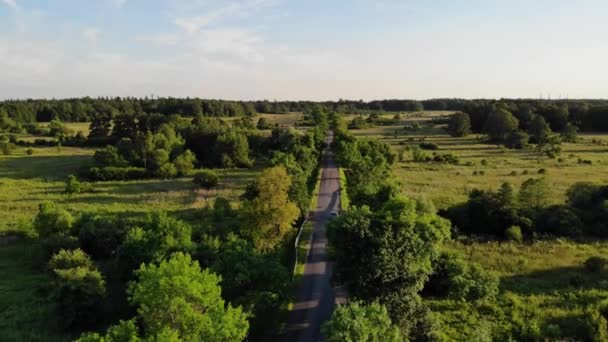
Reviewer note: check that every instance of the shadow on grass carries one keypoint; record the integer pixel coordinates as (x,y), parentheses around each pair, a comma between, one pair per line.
(47,167)
(553,280)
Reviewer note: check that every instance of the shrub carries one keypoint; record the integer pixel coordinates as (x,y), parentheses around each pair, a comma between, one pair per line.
(167,170)
(72,185)
(596,264)
(459,125)
(78,287)
(100,236)
(6,147)
(206,179)
(429,146)
(29,151)
(52,221)
(513,233)
(542,171)
(454,278)
(184,163)
(117,173)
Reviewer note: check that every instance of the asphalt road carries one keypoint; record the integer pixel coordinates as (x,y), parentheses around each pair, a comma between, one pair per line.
(315,299)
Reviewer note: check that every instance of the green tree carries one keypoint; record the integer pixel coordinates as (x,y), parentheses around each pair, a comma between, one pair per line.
(570,133)
(234,145)
(271,214)
(263,124)
(517,139)
(387,256)
(184,163)
(178,296)
(534,193)
(357,322)
(206,179)
(78,287)
(499,124)
(124,331)
(158,237)
(52,221)
(540,130)
(72,185)
(459,125)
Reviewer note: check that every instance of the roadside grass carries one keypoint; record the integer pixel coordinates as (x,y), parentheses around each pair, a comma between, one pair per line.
(545,279)
(447,184)
(344,201)
(27,181)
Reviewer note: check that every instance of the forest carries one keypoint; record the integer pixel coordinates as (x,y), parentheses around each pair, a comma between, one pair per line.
(128,219)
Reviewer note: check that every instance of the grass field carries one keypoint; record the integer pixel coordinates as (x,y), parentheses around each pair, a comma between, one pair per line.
(544,280)
(26,312)
(448,184)
(29,180)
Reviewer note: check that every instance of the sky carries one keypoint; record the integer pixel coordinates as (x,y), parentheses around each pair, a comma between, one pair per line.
(304,49)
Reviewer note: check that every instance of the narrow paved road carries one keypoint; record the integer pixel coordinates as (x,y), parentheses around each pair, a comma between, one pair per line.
(315,297)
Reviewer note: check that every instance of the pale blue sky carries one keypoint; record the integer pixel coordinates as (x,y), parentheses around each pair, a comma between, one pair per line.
(304,49)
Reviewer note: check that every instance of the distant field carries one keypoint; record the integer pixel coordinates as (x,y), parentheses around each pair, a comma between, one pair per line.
(27,181)
(449,184)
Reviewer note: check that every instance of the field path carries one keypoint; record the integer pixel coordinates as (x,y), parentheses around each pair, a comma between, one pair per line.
(315,299)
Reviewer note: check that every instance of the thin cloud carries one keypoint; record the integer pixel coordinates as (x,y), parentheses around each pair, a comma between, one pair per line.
(194,23)
(11,3)
(91,34)
(118,3)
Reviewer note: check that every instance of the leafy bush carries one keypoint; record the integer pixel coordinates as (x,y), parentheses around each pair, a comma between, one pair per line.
(110,173)
(429,146)
(52,221)
(513,233)
(359,322)
(596,264)
(454,278)
(184,163)
(206,179)
(100,236)
(78,287)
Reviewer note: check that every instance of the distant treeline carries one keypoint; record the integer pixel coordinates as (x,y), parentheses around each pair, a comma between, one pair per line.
(586,114)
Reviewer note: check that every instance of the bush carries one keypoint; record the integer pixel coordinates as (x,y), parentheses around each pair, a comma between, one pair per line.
(110,173)
(454,278)
(596,264)
(429,146)
(513,233)
(184,163)
(78,287)
(206,179)
(52,221)
(29,151)
(72,185)
(100,236)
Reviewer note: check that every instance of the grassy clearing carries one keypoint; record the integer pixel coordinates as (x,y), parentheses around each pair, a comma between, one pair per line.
(449,184)
(26,312)
(546,277)
(30,180)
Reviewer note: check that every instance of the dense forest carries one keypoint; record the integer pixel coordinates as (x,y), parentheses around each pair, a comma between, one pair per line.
(588,115)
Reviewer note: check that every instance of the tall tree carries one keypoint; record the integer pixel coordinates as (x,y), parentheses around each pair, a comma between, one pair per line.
(358,322)
(271,214)
(499,124)
(459,125)
(177,296)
